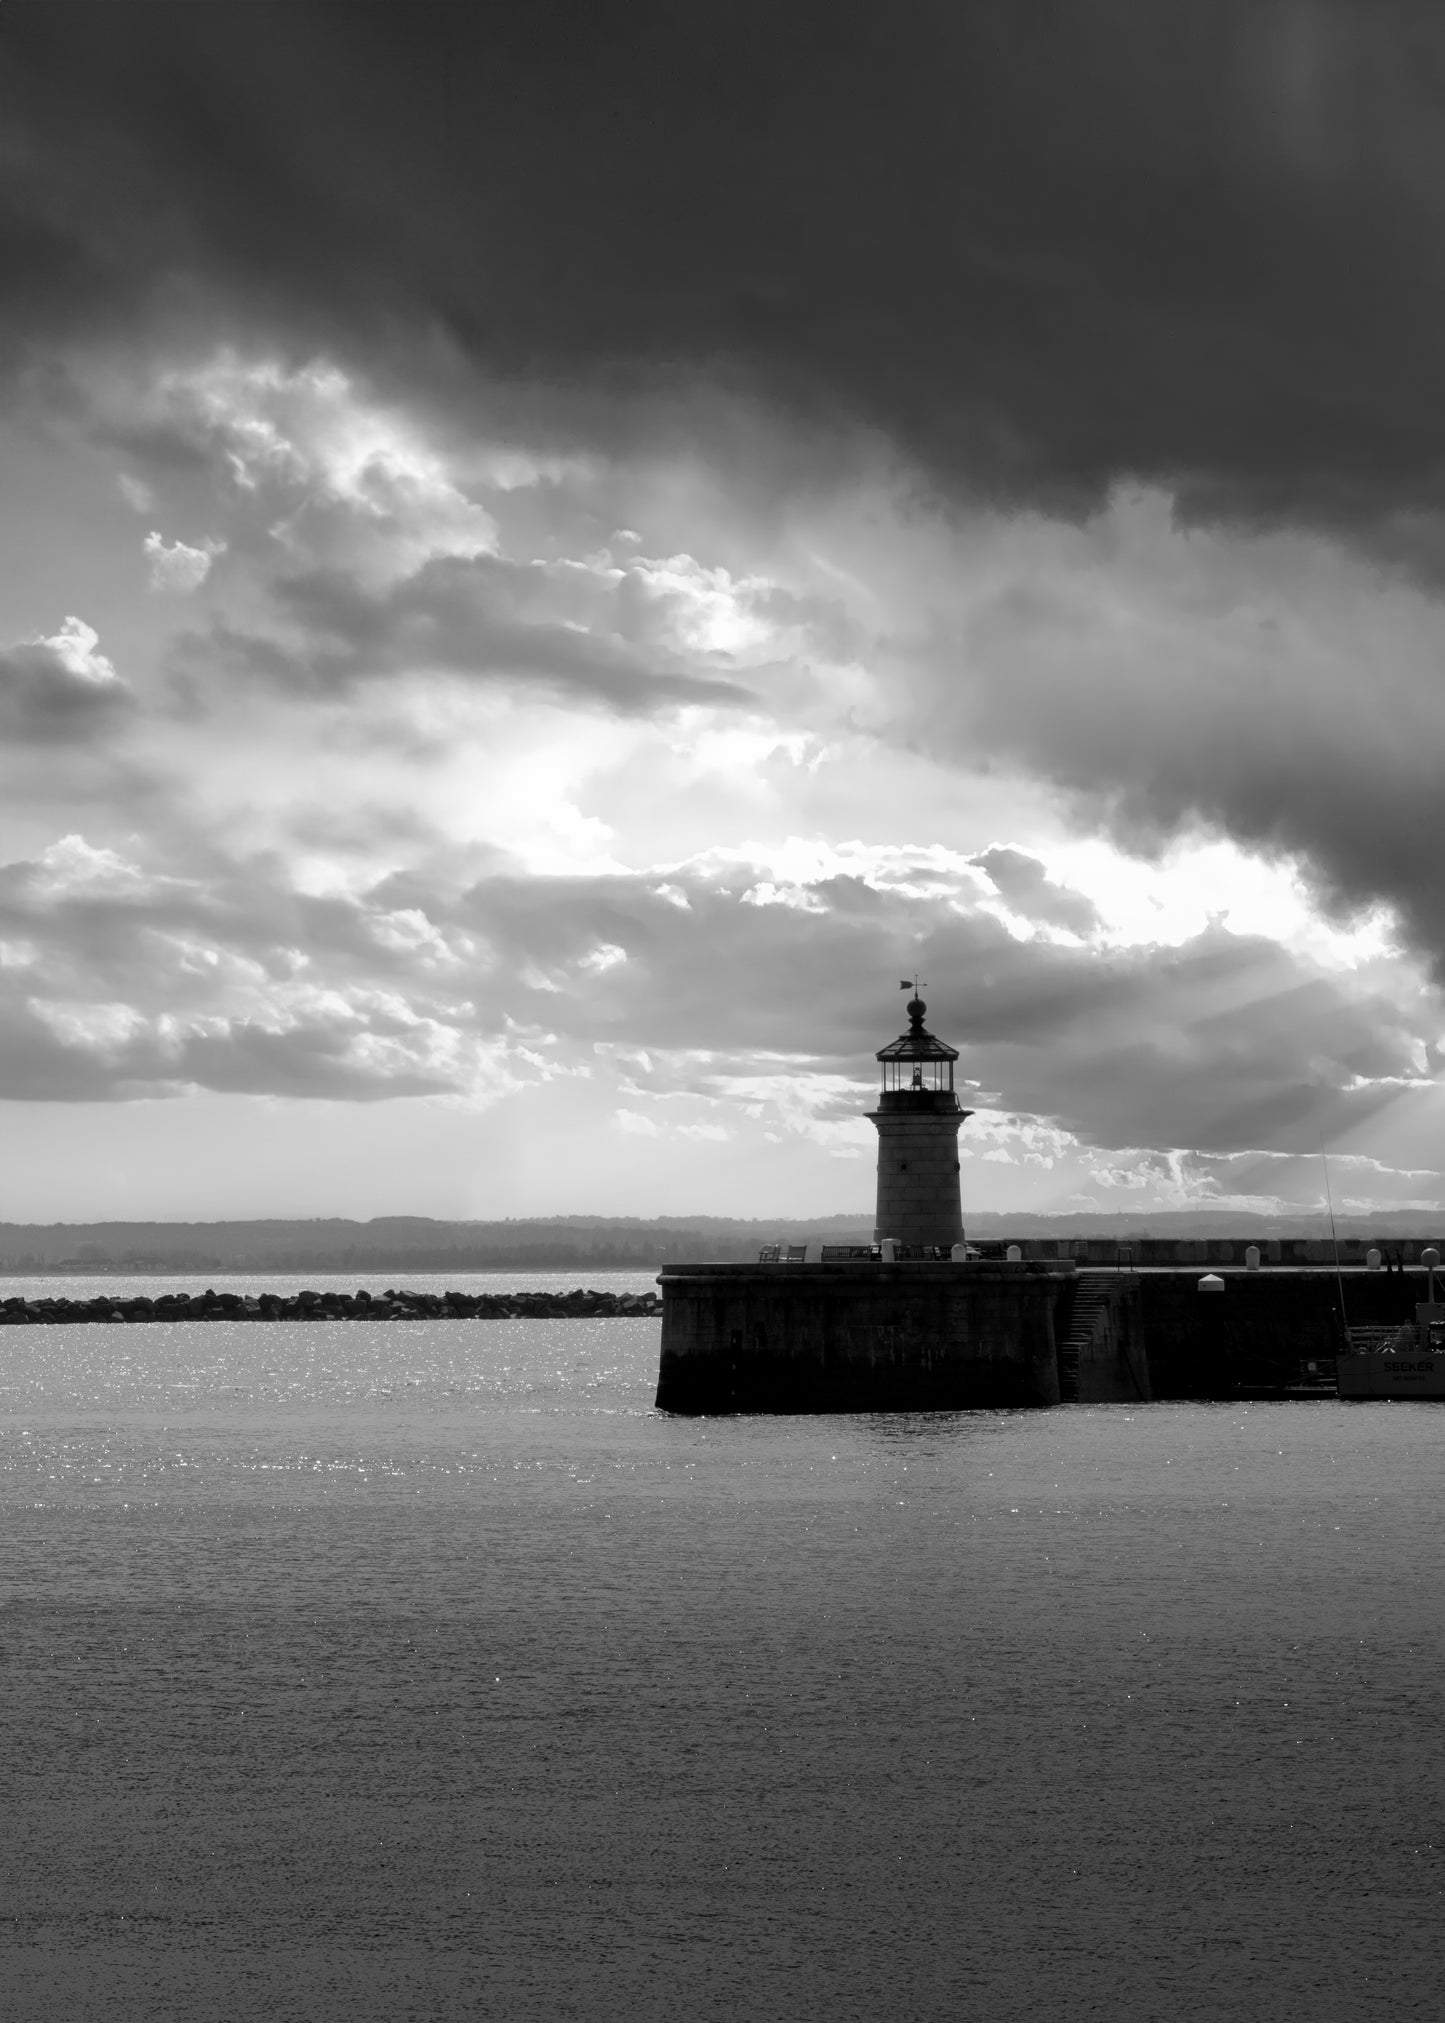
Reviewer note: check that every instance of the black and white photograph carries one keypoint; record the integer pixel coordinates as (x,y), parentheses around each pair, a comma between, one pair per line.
(722,1011)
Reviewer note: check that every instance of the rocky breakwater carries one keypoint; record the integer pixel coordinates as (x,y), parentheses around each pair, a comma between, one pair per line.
(394,1304)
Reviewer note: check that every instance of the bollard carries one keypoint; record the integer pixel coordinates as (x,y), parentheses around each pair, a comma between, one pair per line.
(1251,1258)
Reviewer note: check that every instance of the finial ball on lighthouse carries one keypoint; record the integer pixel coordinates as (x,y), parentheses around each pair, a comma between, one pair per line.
(918,1118)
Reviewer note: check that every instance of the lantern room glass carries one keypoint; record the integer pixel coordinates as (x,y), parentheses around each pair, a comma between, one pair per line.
(926,1075)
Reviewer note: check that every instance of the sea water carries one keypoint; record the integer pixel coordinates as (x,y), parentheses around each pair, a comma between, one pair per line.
(385,1670)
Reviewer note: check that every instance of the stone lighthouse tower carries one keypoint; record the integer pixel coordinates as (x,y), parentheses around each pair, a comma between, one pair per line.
(918,1116)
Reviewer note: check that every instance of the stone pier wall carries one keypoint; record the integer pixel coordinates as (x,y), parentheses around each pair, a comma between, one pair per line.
(1261,1329)
(1154,1334)
(1114,1358)
(946,1337)
(857,1337)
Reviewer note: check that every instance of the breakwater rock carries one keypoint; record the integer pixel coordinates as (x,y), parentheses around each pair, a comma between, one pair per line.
(395,1304)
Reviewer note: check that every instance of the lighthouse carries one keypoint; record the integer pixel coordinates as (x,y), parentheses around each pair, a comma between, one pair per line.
(908,1329)
(918,1117)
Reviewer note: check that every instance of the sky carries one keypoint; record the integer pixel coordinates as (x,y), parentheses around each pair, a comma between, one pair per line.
(549,557)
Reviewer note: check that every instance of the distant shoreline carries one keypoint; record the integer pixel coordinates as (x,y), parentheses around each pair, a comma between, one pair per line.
(421,1244)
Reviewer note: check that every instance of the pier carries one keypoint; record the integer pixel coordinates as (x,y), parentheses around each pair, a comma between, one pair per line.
(921,1320)
(930,1336)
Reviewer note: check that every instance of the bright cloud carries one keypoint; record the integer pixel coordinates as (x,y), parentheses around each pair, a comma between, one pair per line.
(75,649)
(311,443)
(176,566)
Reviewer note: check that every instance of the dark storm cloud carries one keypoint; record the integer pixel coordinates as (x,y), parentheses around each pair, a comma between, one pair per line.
(1269,689)
(1365,820)
(1039,246)
(478,617)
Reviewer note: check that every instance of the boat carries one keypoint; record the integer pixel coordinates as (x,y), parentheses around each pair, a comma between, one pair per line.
(1402,1361)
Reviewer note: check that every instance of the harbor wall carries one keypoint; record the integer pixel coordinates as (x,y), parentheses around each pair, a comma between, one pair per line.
(1110,1357)
(1262,1330)
(863,1337)
(857,1337)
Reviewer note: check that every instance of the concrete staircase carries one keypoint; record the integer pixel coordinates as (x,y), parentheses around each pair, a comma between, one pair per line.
(1091,1303)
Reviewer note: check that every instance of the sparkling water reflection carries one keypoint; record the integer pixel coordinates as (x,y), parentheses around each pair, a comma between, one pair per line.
(364,1670)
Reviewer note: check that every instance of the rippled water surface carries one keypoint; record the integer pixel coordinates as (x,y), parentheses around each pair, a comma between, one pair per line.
(363,1670)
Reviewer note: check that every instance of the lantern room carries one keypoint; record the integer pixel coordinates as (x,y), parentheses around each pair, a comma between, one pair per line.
(917,1068)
